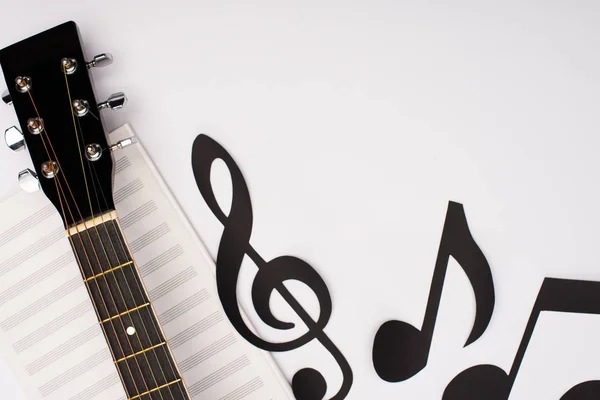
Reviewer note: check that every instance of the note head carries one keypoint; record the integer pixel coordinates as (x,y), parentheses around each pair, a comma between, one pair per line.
(309,384)
(584,391)
(399,351)
(479,382)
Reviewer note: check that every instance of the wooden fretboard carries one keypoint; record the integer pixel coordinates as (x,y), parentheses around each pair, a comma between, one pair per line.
(132,331)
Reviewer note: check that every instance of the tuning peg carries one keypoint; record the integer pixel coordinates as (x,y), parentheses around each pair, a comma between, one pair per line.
(122,143)
(115,101)
(29,181)
(14,139)
(6,97)
(100,60)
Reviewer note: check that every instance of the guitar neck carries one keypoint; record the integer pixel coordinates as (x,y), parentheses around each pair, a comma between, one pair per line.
(138,346)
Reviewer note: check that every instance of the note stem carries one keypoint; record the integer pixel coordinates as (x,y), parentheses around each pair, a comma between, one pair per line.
(558,295)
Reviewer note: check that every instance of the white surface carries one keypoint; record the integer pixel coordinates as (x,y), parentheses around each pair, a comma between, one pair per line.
(354,123)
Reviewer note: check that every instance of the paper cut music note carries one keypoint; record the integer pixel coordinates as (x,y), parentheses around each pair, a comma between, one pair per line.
(308,383)
(492,383)
(584,391)
(400,350)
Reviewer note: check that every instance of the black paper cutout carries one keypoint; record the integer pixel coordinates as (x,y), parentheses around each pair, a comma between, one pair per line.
(400,350)
(589,390)
(307,384)
(492,383)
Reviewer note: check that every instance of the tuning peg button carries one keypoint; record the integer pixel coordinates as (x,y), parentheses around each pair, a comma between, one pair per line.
(115,101)
(6,97)
(123,143)
(29,181)
(14,139)
(100,60)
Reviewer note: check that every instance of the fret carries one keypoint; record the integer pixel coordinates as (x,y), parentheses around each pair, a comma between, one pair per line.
(108,271)
(125,312)
(140,350)
(146,333)
(170,392)
(99,248)
(155,389)
(151,369)
(117,293)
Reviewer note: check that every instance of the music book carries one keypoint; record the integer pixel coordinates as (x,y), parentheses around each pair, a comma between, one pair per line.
(49,334)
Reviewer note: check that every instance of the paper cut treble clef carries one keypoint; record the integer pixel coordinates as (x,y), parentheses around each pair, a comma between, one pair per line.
(307,384)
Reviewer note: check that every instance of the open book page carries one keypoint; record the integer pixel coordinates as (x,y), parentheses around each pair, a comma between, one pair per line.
(49,333)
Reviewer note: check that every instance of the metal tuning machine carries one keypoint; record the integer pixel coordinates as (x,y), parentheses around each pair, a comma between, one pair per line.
(14,139)
(115,101)
(123,143)
(100,60)
(6,98)
(29,181)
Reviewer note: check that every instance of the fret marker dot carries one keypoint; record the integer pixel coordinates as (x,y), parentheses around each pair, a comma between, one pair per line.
(131,331)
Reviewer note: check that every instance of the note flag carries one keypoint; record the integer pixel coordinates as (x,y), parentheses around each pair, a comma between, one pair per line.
(400,350)
(492,383)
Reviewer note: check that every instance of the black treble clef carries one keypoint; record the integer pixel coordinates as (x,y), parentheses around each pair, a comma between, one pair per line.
(307,384)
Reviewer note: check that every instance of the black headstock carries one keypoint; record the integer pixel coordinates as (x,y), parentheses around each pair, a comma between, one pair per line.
(47,78)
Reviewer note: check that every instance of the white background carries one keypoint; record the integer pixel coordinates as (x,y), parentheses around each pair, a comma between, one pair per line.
(354,123)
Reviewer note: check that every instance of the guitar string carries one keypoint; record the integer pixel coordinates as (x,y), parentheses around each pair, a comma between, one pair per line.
(79,133)
(60,191)
(169,356)
(123,329)
(93,177)
(79,236)
(137,283)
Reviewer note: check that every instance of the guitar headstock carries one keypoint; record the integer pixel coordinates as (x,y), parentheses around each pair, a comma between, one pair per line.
(50,88)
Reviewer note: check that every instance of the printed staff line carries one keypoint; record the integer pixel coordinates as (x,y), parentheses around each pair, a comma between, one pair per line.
(98,387)
(108,271)
(24,225)
(155,389)
(45,330)
(140,352)
(41,304)
(125,313)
